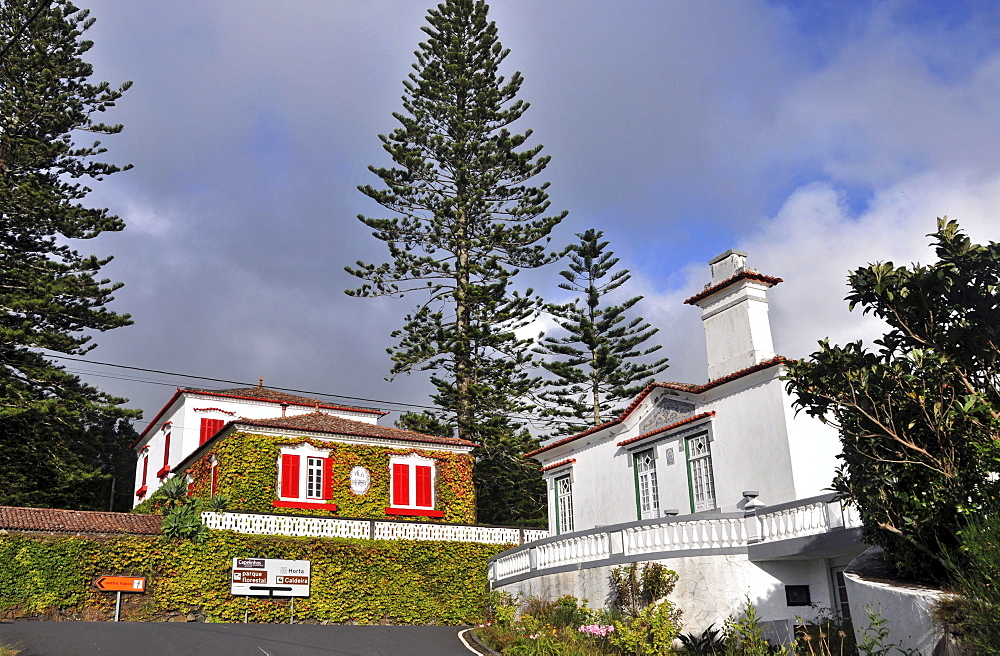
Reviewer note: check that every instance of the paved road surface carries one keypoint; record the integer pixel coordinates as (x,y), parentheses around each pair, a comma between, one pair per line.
(183,639)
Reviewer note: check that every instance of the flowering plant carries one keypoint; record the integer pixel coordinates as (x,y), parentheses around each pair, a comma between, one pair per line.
(598,630)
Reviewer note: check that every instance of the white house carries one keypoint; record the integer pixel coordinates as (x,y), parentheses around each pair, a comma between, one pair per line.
(720,481)
(193,416)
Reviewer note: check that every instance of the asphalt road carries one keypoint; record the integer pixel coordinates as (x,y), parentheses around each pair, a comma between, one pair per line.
(182,639)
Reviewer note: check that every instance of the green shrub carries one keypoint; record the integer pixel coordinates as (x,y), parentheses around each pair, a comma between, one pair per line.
(975,572)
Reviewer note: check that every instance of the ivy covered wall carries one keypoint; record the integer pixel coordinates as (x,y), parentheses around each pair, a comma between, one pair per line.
(248,474)
(353,581)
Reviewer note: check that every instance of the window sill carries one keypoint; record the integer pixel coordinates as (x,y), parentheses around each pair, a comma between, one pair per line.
(141,492)
(306,505)
(163,472)
(414,512)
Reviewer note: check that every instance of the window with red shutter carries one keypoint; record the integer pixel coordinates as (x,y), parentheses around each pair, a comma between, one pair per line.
(166,451)
(424,494)
(145,469)
(209,427)
(400,485)
(289,475)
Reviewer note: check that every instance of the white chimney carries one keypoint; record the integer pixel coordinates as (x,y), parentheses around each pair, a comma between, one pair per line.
(734,313)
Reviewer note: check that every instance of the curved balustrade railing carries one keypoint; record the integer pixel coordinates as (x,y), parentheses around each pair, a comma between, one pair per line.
(331,527)
(685,535)
(676,536)
(795,522)
(578,549)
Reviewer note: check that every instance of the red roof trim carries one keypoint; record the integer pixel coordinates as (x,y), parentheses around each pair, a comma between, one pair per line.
(682,387)
(380,413)
(556,465)
(676,424)
(567,440)
(700,389)
(742,275)
(159,414)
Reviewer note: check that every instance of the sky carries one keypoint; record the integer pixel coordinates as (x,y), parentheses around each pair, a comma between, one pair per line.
(817,136)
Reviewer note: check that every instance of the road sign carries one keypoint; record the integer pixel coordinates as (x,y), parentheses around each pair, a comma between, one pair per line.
(270,577)
(120,583)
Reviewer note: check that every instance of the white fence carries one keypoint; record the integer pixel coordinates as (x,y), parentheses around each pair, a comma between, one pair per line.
(677,536)
(329,527)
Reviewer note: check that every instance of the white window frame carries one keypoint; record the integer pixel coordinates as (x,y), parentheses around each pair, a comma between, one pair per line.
(412,461)
(701,475)
(305,451)
(647,490)
(562,487)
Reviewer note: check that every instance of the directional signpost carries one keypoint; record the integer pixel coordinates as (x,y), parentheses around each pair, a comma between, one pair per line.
(120,584)
(271,577)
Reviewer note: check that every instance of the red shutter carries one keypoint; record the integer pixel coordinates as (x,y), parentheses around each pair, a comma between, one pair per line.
(424,495)
(289,476)
(400,485)
(209,427)
(166,451)
(145,469)
(327,478)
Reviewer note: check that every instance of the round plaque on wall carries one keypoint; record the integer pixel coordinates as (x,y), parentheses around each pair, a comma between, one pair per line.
(361,480)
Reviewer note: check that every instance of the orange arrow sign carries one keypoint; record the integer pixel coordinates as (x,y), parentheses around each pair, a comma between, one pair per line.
(120,583)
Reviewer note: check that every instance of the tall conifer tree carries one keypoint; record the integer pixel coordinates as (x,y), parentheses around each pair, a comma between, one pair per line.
(50,297)
(464,221)
(599,361)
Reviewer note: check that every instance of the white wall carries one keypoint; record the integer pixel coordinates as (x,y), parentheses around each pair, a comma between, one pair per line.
(709,588)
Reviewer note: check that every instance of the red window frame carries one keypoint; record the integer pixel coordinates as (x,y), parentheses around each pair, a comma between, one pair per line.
(166,457)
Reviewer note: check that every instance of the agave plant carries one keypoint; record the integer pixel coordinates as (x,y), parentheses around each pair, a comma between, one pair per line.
(709,642)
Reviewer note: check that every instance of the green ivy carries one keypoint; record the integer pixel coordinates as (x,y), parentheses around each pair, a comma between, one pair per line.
(248,473)
(353,581)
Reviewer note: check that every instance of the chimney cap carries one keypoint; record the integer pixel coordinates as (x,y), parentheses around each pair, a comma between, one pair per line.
(731,251)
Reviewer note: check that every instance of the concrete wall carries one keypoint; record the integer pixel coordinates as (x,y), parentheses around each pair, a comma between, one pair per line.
(906,608)
(710,588)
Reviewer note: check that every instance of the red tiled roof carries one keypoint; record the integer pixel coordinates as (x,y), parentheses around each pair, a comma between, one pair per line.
(321,422)
(554,465)
(742,275)
(676,424)
(266,394)
(683,387)
(52,520)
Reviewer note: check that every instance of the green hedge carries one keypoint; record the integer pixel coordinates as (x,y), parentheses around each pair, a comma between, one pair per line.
(353,581)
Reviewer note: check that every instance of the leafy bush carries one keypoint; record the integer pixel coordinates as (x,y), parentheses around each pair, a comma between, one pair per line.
(918,417)
(633,589)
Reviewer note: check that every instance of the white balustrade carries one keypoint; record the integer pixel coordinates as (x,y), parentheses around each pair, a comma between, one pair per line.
(578,549)
(683,536)
(532,534)
(513,564)
(330,527)
(452,533)
(325,527)
(852,519)
(796,522)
